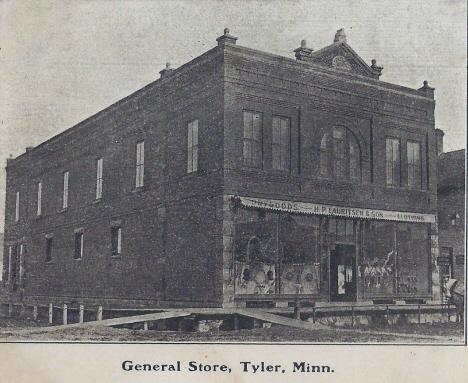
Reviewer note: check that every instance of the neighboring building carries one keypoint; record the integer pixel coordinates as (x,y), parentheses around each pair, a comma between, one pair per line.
(240,177)
(451,215)
(1,254)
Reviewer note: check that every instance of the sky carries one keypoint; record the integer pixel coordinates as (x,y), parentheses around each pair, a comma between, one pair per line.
(63,61)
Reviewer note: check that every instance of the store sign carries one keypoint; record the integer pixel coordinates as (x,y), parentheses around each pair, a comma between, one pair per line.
(339,211)
(443,261)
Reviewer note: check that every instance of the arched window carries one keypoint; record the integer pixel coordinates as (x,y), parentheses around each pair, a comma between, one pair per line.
(340,155)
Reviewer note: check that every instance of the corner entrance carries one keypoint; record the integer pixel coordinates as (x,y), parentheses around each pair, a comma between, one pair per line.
(343,274)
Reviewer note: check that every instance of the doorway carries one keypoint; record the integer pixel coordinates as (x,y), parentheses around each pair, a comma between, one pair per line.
(343,273)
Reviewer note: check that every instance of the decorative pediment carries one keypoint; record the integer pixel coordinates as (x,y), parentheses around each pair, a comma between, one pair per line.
(339,56)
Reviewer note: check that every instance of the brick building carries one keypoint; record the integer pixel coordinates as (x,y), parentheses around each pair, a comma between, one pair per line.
(241,176)
(451,215)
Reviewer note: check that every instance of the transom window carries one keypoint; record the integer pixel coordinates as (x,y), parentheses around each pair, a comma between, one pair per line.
(281,144)
(252,145)
(340,155)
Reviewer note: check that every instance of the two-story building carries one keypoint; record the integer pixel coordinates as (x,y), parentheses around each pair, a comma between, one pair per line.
(240,177)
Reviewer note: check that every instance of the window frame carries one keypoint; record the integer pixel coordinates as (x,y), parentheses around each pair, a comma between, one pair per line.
(65,189)
(255,144)
(116,241)
(49,249)
(281,148)
(39,199)
(17,206)
(336,158)
(79,244)
(99,177)
(192,146)
(414,168)
(140,165)
(395,162)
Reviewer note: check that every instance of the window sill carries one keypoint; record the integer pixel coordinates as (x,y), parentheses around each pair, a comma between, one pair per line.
(78,259)
(63,210)
(403,187)
(116,256)
(139,189)
(96,201)
(49,262)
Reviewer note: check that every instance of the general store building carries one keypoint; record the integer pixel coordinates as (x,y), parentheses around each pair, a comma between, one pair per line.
(240,177)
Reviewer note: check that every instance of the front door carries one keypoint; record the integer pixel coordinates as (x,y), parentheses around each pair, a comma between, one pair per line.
(343,274)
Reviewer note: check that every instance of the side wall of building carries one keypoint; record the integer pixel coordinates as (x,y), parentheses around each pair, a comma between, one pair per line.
(172,204)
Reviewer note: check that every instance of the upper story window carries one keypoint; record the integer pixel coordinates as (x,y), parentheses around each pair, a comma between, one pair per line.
(253,137)
(140,164)
(192,147)
(99,164)
(78,245)
(340,155)
(48,252)
(393,165)
(17,207)
(65,190)
(281,144)
(413,149)
(116,240)
(39,199)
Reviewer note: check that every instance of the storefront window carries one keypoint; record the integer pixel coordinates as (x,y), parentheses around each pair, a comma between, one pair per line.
(413,263)
(276,253)
(395,259)
(379,258)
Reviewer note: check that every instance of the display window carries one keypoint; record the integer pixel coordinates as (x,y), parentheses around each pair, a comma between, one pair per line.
(413,258)
(395,259)
(276,253)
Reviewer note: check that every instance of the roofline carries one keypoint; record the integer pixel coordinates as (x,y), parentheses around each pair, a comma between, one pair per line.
(131,97)
(407,91)
(213,51)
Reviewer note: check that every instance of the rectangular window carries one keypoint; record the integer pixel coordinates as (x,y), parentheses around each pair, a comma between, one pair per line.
(99,178)
(39,199)
(414,164)
(78,245)
(140,164)
(393,161)
(253,145)
(8,263)
(281,150)
(116,240)
(192,147)
(17,206)
(65,190)
(21,262)
(48,253)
